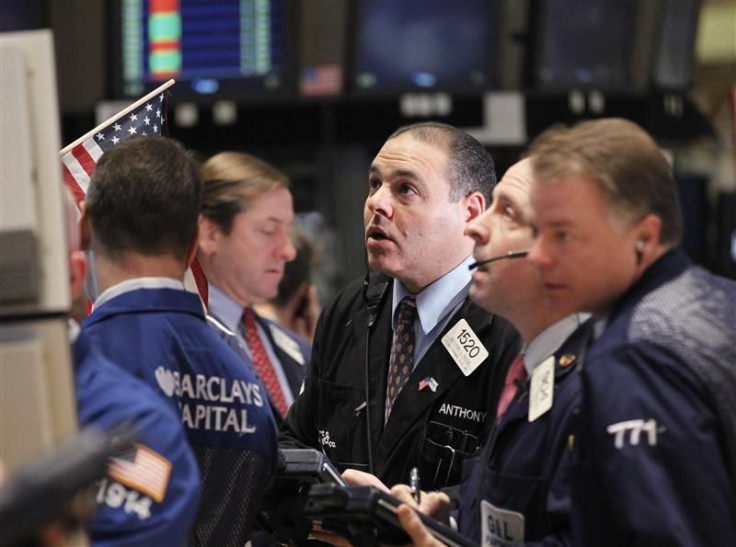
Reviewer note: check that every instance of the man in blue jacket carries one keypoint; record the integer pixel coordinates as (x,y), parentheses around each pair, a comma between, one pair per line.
(151,493)
(655,458)
(140,219)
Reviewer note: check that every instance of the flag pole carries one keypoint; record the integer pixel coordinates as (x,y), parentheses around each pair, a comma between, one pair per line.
(119,115)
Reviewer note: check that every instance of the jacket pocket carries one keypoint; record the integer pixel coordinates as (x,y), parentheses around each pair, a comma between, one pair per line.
(341,425)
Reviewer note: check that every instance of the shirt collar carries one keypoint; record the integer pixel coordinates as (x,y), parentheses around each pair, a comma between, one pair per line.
(550,340)
(432,302)
(138,283)
(224,308)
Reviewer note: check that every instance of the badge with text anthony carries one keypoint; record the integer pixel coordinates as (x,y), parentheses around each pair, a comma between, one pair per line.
(465,347)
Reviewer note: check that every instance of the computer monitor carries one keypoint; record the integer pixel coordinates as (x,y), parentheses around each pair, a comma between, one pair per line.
(583,44)
(429,45)
(215,49)
(37,404)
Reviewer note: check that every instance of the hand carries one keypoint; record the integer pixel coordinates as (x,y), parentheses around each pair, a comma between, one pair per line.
(360,478)
(418,533)
(433,504)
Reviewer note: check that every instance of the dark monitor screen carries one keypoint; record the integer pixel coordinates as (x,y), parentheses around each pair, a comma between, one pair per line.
(215,48)
(422,45)
(584,44)
(22,15)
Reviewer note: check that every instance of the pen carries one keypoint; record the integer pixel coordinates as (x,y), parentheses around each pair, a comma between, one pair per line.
(415,485)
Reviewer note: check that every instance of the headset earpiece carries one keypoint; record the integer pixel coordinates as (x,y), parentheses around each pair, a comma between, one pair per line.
(639,250)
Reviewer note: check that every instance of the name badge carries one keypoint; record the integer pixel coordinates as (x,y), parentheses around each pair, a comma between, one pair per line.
(465,347)
(287,344)
(500,527)
(542,388)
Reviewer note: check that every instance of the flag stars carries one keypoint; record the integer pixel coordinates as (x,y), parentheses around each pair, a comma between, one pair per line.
(149,107)
(133,117)
(117,127)
(161,98)
(147,120)
(158,113)
(100,136)
(132,130)
(155,128)
(115,140)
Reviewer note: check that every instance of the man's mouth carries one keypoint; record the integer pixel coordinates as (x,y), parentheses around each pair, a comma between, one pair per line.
(377,234)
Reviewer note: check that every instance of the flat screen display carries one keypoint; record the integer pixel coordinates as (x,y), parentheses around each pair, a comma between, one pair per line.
(215,48)
(585,44)
(422,45)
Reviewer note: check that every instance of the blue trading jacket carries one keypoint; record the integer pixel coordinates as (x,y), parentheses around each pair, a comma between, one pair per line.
(523,468)
(161,336)
(129,513)
(654,459)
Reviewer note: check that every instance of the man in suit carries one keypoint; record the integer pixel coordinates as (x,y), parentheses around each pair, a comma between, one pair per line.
(406,371)
(244,245)
(140,219)
(517,489)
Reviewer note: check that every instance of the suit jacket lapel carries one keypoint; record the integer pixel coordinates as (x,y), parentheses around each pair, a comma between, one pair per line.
(412,404)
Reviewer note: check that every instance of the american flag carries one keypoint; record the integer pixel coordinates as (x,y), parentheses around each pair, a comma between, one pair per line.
(321,80)
(428,382)
(139,467)
(79,162)
(147,116)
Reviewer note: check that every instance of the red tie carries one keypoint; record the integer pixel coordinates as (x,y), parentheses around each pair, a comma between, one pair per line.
(516,372)
(262,362)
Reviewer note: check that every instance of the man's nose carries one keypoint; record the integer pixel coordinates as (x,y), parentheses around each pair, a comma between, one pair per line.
(379,202)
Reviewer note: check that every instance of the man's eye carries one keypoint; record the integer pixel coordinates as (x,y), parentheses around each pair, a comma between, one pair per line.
(407,189)
(562,236)
(373,183)
(509,213)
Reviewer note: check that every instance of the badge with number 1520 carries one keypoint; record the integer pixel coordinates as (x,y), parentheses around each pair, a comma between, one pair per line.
(465,347)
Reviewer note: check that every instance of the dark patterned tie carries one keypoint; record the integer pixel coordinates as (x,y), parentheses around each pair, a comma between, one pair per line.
(402,351)
(262,362)
(517,371)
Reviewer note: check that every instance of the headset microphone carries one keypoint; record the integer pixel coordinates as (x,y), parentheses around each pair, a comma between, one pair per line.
(510,254)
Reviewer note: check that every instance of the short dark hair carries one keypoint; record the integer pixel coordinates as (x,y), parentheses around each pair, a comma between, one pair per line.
(471,167)
(231,181)
(145,196)
(622,159)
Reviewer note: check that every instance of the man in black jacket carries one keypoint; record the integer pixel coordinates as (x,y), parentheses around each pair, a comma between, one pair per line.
(406,371)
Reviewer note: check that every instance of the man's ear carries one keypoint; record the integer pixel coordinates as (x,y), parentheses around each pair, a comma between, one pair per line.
(84,228)
(209,235)
(646,234)
(77,273)
(475,205)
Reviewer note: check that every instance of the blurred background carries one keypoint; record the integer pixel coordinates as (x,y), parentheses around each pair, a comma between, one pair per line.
(316,86)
